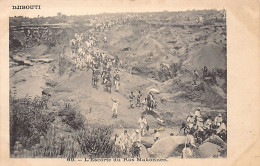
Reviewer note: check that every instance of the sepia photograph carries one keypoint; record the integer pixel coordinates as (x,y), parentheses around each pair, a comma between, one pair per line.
(143,85)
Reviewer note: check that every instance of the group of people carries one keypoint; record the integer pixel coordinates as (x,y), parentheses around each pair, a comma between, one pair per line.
(105,23)
(109,75)
(148,103)
(207,75)
(109,79)
(82,49)
(200,129)
(85,55)
(130,145)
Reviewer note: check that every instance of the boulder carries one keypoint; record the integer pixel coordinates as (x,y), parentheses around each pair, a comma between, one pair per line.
(144,153)
(166,146)
(147,141)
(209,150)
(216,140)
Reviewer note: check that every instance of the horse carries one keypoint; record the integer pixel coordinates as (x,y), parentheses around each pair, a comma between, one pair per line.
(200,136)
(151,104)
(184,127)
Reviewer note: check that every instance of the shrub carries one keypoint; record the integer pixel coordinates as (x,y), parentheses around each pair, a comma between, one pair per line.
(70,116)
(174,68)
(27,120)
(64,65)
(49,146)
(168,72)
(95,141)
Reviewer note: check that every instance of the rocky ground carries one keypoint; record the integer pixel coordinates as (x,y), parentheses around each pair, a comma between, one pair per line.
(142,45)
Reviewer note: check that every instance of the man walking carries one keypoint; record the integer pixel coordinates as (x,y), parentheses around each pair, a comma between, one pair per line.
(138,100)
(116,81)
(124,142)
(114,108)
(131,98)
(195,77)
(142,124)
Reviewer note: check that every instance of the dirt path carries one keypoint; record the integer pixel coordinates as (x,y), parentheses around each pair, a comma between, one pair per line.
(30,81)
(86,96)
(78,90)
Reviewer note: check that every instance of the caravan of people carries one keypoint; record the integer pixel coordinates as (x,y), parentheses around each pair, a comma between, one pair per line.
(139,85)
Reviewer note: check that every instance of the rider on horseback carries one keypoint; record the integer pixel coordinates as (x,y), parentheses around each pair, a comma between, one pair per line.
(208,123)
(190,120)
(218,120)
(150,101)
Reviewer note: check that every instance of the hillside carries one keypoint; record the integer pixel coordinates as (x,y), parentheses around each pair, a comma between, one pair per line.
(157,53)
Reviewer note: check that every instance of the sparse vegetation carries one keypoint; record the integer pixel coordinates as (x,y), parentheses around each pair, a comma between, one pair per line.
(72,117)
(151,52)
(28,120)
(95,141)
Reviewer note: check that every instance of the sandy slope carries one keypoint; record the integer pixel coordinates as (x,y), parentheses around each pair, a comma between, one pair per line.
(147,46)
